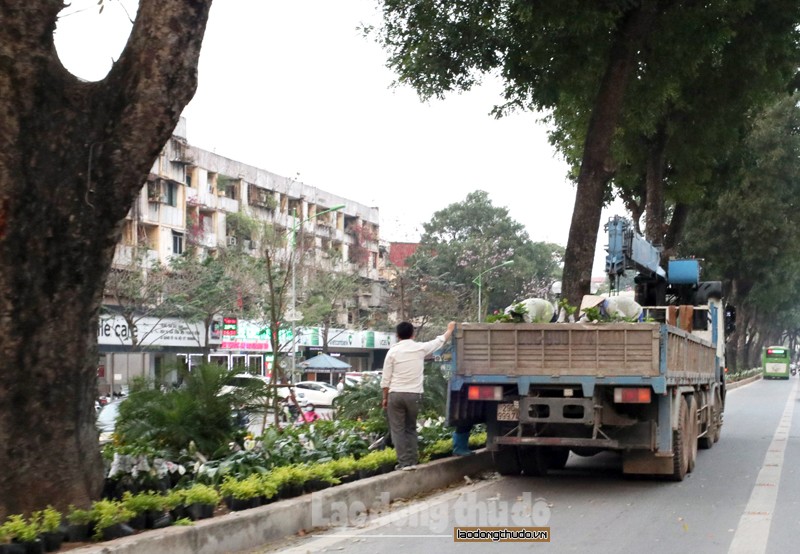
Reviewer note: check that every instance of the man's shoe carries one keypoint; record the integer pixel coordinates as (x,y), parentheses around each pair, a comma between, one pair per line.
(408,468)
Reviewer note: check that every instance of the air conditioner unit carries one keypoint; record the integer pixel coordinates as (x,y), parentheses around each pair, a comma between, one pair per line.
(231,241)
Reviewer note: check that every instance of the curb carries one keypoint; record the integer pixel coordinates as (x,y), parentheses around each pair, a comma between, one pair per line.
(239,531)
(743,382)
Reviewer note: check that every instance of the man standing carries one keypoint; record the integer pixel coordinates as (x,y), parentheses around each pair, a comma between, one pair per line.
(402,389)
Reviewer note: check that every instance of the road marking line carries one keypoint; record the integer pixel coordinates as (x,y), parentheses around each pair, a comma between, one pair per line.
(752,533)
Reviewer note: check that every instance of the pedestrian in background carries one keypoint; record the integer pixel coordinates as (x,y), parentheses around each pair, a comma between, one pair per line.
(340,385)
(402,380)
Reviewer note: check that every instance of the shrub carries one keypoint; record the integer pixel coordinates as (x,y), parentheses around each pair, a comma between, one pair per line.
(242,489)
(201,494)
(20,529)
(48,520)
(343,466)
(106,513)
(197,412)
(77,516)
(143,502)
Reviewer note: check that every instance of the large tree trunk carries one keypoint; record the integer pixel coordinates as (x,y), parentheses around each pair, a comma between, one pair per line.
(73,155)
(654,181)
(596,163)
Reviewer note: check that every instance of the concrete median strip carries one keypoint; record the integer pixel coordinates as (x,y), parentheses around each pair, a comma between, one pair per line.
(239,531)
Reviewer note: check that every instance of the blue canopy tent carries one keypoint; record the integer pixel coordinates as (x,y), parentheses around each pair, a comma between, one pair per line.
(323,363)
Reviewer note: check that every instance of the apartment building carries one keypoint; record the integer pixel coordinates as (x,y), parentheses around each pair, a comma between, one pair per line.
(188,199)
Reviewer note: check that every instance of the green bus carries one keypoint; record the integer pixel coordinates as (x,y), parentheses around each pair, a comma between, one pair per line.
(775,361)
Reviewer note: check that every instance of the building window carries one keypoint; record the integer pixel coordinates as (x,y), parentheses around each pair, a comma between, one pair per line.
(170,193)
(177,243)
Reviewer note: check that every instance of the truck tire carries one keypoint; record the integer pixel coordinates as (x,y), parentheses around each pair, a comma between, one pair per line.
(556,457)
(586,452)
(718,419)
(533,460)
(691,438)
(506,460)
(680,452)
(707,441)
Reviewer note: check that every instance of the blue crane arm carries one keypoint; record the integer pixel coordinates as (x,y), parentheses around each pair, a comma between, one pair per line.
(627,249)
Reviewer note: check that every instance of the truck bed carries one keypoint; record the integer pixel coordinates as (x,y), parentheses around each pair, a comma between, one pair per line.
(581,349)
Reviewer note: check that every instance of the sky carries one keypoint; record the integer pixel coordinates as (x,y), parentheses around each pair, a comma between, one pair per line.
(294,87)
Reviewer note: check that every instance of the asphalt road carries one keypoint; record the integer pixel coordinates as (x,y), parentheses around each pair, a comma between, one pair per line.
(743,497)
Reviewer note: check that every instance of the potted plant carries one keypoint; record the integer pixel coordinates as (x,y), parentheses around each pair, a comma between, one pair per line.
(200,501)
(49,521)
(148,507)
(241,494)
(79,528)
(175,503)
(25,533)
(368,465)
(387,459)
(320,476)
(345,469)
(289,481)
(267,488)
(439,449)
(111,520)
(6,547)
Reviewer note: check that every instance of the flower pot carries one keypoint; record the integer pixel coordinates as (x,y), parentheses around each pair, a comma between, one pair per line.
(52,540)
(138,522)
(348,478)
(30,547)
(78,532)
(117,531)
(314,485)
(199,511)
(178,512)
(159,520)
(290,491)
(386,468)
(12,548)
(365,473)
(238,504)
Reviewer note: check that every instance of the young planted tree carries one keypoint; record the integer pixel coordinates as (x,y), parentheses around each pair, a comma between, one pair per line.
(73,156)
(327,295)
(202,290)
(138,292)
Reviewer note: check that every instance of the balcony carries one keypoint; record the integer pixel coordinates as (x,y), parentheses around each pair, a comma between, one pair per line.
(124,256)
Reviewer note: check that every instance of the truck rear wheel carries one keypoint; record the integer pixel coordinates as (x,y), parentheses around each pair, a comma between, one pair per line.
(691,437)
(680,452)
(533,460)
(557,457)
(718,418)
(707,441)
(506,460)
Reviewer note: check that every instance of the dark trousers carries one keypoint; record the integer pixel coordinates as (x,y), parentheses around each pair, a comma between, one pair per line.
(403,409)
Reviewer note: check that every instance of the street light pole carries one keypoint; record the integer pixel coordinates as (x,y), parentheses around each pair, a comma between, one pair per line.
(295,226)
(477,280)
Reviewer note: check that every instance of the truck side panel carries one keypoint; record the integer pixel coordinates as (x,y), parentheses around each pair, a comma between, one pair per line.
(581,350)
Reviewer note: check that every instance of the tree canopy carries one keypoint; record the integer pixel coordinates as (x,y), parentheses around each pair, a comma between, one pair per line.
(644,71)
(749,232)
(470,238)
